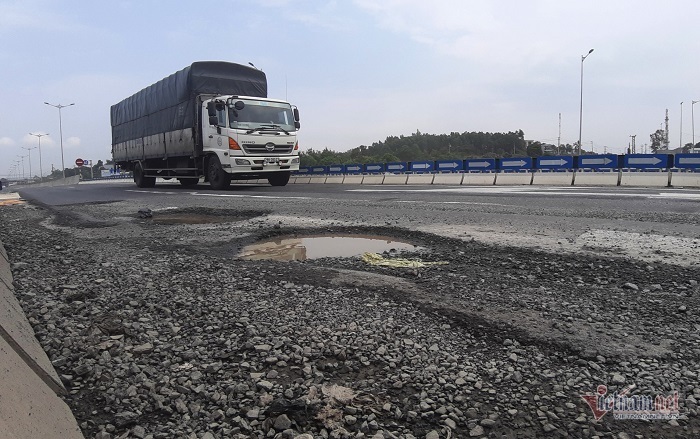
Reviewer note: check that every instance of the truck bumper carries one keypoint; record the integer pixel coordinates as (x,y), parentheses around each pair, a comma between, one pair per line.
(260,165)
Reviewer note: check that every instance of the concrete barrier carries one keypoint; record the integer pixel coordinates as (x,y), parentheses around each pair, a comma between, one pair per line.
(335,179)
(553,178)
(513,178)
(596,178)
(395,179)
(29,386)
(455,179)
(645,179)
(50,183)
(685,179)
(373,179)
(479,179)
(300,180)
(353,179)
(420,179)
(318,179)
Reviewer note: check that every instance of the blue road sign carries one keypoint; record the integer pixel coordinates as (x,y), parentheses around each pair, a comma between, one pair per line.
(354,169)
(449,165)
(480,164)
(396,167)
(336,169)
(646,161)
(555,162)
(374,167)
(304,170)
(516,164)
(601,161)
(687,161)
(421,166)
(319,170)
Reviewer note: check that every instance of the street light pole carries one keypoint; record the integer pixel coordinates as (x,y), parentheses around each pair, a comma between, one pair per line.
(60,128)
(22,158)
(29,149)
(580,113)
(692,118)
(41,169)
(680,138)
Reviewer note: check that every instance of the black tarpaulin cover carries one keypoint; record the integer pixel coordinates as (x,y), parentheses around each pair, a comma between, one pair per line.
(169,104)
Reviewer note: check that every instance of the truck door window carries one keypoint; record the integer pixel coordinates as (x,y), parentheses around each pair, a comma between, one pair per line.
(221,116)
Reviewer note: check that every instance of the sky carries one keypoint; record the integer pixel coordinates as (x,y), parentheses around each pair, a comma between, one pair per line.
(358,70)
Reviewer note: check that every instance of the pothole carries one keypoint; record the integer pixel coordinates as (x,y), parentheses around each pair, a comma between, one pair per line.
(322,246)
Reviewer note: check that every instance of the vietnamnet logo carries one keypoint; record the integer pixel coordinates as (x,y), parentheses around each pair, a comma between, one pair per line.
(622,405)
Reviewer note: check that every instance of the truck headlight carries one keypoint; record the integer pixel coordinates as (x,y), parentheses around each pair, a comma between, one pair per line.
(295,160)
(243,162)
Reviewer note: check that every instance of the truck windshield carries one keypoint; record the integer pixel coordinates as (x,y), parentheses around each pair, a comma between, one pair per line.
(262,114)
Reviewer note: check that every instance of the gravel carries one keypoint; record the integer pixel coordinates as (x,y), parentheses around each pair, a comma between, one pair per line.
(159,332)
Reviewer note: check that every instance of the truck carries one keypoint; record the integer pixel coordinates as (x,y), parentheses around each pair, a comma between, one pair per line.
(212,119)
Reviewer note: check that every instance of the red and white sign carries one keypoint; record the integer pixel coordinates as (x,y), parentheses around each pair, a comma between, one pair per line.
(79,162)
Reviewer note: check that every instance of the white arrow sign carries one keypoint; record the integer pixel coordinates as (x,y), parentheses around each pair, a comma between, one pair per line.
(353,168)
(643,160)
(689,160)
(478,164)
(519,163)
(598,161)
(448,165)
(335,169)
(421,166)
(318,169)
(395,167)
(374,168)
(559,162)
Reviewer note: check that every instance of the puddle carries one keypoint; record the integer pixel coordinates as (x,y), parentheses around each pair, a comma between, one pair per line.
(189,218)
(314,247)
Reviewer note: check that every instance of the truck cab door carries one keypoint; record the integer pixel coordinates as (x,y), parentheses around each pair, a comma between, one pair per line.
(216,126)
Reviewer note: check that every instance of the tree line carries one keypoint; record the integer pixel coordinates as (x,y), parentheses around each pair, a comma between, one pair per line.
(419,146)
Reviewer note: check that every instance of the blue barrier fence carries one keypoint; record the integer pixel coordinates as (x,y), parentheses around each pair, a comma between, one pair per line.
(587,163)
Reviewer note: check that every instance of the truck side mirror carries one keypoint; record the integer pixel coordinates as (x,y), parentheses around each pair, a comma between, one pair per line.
(296,115)
(211,110)
(297,125)
(213,120)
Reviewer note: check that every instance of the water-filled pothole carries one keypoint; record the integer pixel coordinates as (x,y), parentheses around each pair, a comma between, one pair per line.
(314,247)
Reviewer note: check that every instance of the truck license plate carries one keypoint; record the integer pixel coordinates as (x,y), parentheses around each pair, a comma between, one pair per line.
(271,160)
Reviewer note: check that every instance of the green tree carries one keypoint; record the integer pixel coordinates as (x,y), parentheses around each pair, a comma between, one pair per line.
(657,140)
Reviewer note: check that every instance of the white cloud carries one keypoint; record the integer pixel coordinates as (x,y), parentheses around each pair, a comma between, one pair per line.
(6,141)
(72,142)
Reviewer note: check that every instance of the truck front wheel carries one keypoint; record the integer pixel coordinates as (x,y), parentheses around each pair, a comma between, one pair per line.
(279,179)
(218,178)
(140,179)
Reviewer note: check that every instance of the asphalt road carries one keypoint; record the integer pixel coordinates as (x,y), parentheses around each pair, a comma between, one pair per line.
(652,224)
(160,328)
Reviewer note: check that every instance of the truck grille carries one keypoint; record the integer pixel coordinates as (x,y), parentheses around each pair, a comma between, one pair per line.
(265,149)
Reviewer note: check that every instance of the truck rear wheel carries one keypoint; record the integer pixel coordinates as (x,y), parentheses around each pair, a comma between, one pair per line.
(218,178)
(140,179)
(279,179)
